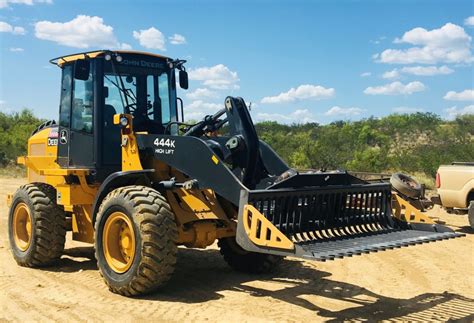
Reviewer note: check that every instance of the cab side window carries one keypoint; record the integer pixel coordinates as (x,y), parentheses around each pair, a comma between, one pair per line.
(65,108)
(82,104)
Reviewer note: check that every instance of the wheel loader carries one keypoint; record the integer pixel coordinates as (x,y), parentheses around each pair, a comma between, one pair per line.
(122,170)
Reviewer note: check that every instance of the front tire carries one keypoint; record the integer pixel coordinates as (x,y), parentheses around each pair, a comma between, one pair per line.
(36,226)
(135,240)
(246,261)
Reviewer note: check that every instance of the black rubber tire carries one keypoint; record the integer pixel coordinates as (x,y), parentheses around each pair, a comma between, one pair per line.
(48,233)
(246,261)
(470,214)
(399,182)
(155,235)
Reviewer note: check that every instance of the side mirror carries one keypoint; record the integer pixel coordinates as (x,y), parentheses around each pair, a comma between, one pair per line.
(183,80)
(82,69)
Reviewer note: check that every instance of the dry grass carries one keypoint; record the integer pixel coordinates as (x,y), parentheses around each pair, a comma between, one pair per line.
(13,171)
(422,178)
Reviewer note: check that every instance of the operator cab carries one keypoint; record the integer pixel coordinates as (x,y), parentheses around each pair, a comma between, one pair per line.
(98,85)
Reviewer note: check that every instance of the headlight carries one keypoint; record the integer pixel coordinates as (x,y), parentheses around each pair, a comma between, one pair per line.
(108,57)
(123,122)
(119,58)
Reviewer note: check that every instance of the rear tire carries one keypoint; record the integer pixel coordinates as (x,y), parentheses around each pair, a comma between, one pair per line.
(246,261)
(151,232)
(470,214)
(36,226)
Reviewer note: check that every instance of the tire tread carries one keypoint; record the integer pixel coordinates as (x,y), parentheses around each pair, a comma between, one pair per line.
(159,233)
(49,225)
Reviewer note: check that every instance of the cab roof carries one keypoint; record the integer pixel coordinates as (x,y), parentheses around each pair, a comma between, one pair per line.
(60,61)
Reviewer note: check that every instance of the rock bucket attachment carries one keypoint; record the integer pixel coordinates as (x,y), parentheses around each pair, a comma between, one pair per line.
(325,223)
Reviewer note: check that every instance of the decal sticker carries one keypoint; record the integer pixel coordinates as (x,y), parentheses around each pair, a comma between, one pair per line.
(53,137)
(63,137)
(164,146)
(52,141)
(53,133)
(164,143)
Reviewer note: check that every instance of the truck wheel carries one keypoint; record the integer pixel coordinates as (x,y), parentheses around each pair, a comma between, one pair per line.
(246,261)
(135,240)
(406,185)
(36,226)
(471,214)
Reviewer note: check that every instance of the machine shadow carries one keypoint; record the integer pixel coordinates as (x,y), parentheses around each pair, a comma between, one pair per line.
(74,260)
(466,229)
(202,275)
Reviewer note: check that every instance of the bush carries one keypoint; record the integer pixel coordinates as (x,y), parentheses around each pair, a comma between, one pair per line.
(412,143)
(15,129)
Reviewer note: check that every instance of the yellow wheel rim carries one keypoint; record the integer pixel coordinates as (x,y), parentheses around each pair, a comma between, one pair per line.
(22,226)
(118,241)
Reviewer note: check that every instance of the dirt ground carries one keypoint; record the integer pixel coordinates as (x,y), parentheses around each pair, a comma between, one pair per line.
(429,282)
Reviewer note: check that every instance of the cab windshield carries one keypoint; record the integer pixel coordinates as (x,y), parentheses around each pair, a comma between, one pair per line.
(145,93)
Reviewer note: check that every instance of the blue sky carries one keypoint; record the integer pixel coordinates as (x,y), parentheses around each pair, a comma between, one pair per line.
(296,61)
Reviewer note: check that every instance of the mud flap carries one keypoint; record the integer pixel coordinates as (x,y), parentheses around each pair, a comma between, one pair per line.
(325,223)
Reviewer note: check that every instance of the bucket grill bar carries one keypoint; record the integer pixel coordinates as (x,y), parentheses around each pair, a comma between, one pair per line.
(326,223)
(334,212)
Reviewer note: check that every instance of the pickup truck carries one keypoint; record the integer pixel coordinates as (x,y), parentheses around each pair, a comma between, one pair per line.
(455,184)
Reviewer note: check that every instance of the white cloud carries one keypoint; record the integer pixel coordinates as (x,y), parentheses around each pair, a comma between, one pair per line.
(418,70)
(198,109)
(81,32)
(396,88)
(7,28)
(469,21)
(453,112)
(125,46)
(201,93)
(19,31)
(407,110)
(16,49)
(299,116)
(5,3)
(427,70)
(365,74)
(302,92)
(466,95)
(378,40)
(449,44)
(177,39)
(150,38)
(216,77)
(344,112)
(393,74)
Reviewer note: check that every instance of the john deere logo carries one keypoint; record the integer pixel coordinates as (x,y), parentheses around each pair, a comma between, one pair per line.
(63,137)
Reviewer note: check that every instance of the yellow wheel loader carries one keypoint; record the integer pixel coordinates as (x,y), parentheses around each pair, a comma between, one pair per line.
(122,171)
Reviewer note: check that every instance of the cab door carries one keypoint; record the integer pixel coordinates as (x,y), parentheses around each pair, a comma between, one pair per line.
(76,140)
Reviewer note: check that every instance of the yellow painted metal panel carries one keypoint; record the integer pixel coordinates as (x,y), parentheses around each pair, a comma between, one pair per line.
(262,232)
(406,212)
(73,195)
